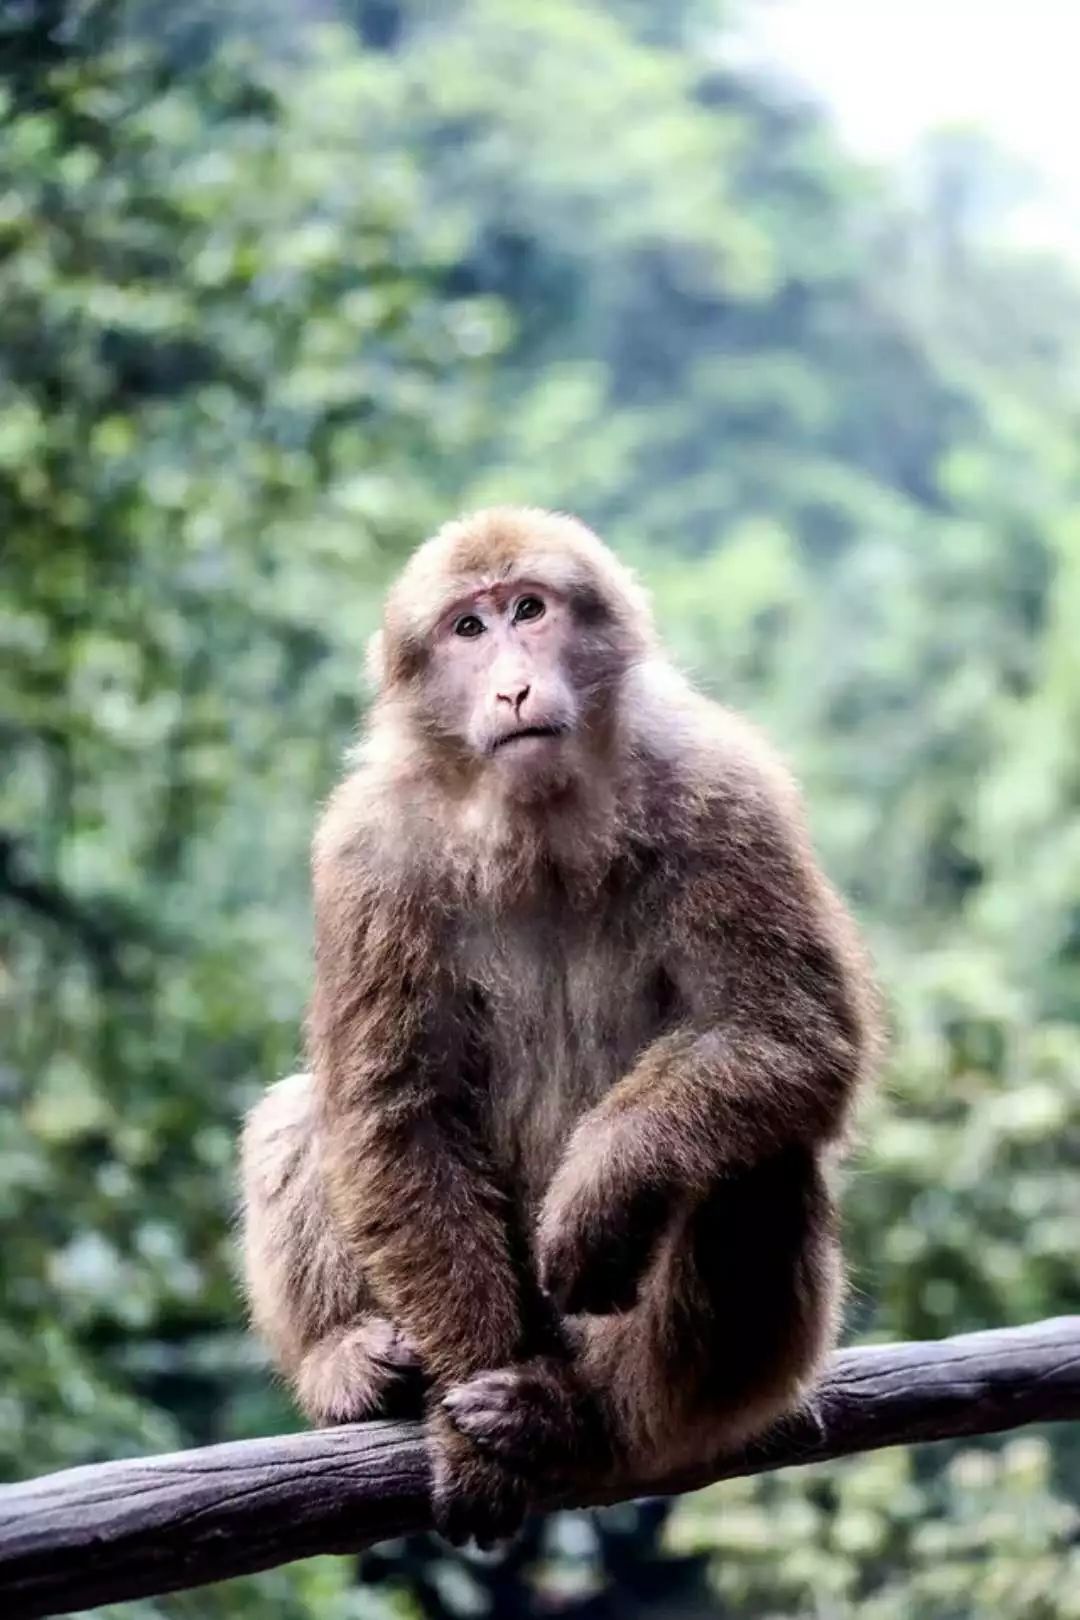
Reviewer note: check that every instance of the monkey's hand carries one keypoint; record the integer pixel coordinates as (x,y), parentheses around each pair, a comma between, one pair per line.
(536,1417)
(597,1233)
(473,1497)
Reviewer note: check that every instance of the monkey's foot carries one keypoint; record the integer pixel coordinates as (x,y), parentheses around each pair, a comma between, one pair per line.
(533,1416)
(473,1497)
(363,1371)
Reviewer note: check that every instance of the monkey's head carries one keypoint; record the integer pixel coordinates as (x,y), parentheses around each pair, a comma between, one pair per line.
(506,640)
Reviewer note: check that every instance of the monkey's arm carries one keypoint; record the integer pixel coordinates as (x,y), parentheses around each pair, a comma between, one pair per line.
(406,1176)
(776,1032)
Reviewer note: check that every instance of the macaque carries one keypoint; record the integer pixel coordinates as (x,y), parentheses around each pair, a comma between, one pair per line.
(587,1027)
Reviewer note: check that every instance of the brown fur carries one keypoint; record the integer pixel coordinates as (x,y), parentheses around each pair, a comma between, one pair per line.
(583,1039)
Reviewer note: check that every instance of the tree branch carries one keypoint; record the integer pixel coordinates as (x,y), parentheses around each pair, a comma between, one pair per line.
(156,1524)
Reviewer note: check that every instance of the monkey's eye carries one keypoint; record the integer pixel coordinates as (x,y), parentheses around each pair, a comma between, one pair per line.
(529,607)
(469,625)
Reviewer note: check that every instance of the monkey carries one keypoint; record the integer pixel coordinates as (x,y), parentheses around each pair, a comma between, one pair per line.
(587,1030)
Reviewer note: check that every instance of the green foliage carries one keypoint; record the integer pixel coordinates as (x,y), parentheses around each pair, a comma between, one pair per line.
(266,315)
(230,378)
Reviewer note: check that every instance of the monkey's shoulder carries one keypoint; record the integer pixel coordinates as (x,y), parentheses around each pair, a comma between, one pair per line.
(717,787)
(366,845)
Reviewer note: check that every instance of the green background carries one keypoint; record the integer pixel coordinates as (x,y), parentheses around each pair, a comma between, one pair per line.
(281,286)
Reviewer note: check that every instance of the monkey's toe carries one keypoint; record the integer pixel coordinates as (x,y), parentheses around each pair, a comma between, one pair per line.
(389,1346)
(473,1497)
(362,1371)
(493,1410)
(485,1520)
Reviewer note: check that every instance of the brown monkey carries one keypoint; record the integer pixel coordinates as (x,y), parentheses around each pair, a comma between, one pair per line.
(587,1026)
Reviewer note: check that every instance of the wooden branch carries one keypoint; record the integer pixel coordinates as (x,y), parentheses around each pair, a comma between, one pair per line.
(156,1524)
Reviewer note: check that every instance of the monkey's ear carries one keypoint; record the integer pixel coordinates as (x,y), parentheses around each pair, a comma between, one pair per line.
(375,661)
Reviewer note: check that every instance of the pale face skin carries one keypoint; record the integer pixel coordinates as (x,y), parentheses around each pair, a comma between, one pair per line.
(500,656)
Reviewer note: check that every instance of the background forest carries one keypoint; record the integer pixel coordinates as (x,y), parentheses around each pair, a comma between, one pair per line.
(281,285)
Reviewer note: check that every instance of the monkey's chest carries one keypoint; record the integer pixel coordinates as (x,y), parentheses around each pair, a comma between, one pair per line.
(564,1019)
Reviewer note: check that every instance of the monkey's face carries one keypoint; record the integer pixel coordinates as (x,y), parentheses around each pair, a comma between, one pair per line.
(504,646)
(501,683)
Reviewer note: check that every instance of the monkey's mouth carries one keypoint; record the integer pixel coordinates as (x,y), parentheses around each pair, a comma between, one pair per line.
(526,731)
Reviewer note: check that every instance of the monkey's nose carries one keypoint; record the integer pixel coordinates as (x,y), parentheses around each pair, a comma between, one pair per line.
(515,696)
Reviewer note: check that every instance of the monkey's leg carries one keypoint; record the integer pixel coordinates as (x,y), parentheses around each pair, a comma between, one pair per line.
(733,1322)
(733,1318)
(309,1301)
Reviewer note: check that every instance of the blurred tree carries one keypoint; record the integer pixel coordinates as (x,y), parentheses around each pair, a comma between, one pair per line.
(230,373)
(249,305)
